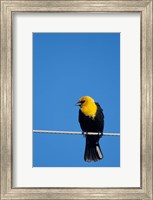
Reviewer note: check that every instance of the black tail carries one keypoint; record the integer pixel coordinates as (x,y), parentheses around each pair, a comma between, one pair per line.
(92,150)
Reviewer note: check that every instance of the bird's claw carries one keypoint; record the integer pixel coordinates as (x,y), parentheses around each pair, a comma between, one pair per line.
(87,133)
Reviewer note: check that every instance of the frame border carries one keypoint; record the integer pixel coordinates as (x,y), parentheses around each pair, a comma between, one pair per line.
(144,7)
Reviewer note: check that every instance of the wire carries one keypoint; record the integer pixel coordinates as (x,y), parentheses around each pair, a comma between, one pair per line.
(76,133)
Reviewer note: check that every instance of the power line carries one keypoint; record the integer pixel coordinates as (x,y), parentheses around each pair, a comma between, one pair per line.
(75,133)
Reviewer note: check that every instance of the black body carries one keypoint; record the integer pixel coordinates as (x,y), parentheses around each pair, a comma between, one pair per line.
(88,124)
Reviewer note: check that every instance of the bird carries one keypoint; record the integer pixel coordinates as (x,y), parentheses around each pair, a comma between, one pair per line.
(91,119)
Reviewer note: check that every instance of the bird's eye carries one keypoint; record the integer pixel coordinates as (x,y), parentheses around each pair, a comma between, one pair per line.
(82,101)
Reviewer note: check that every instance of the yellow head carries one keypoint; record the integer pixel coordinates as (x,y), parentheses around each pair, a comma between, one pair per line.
(87,106)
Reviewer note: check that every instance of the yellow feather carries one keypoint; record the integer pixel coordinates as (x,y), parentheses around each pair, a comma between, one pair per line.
(89,108)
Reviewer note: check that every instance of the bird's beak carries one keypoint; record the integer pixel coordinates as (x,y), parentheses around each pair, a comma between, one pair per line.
(78,103)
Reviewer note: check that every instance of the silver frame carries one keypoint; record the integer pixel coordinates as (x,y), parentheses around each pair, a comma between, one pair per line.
(144,7)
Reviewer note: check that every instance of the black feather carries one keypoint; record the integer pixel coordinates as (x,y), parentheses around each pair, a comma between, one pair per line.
(92,149)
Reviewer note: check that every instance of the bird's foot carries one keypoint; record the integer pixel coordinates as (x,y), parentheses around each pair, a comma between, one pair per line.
(99,133)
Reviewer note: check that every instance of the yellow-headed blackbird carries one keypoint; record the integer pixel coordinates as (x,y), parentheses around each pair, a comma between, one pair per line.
(91,119)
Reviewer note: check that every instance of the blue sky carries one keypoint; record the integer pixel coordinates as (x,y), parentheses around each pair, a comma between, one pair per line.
(67,66)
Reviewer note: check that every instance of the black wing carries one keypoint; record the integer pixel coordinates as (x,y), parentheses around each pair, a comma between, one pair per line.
(100,117)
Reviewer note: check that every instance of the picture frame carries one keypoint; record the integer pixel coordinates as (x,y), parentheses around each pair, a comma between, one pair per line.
(7,10)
